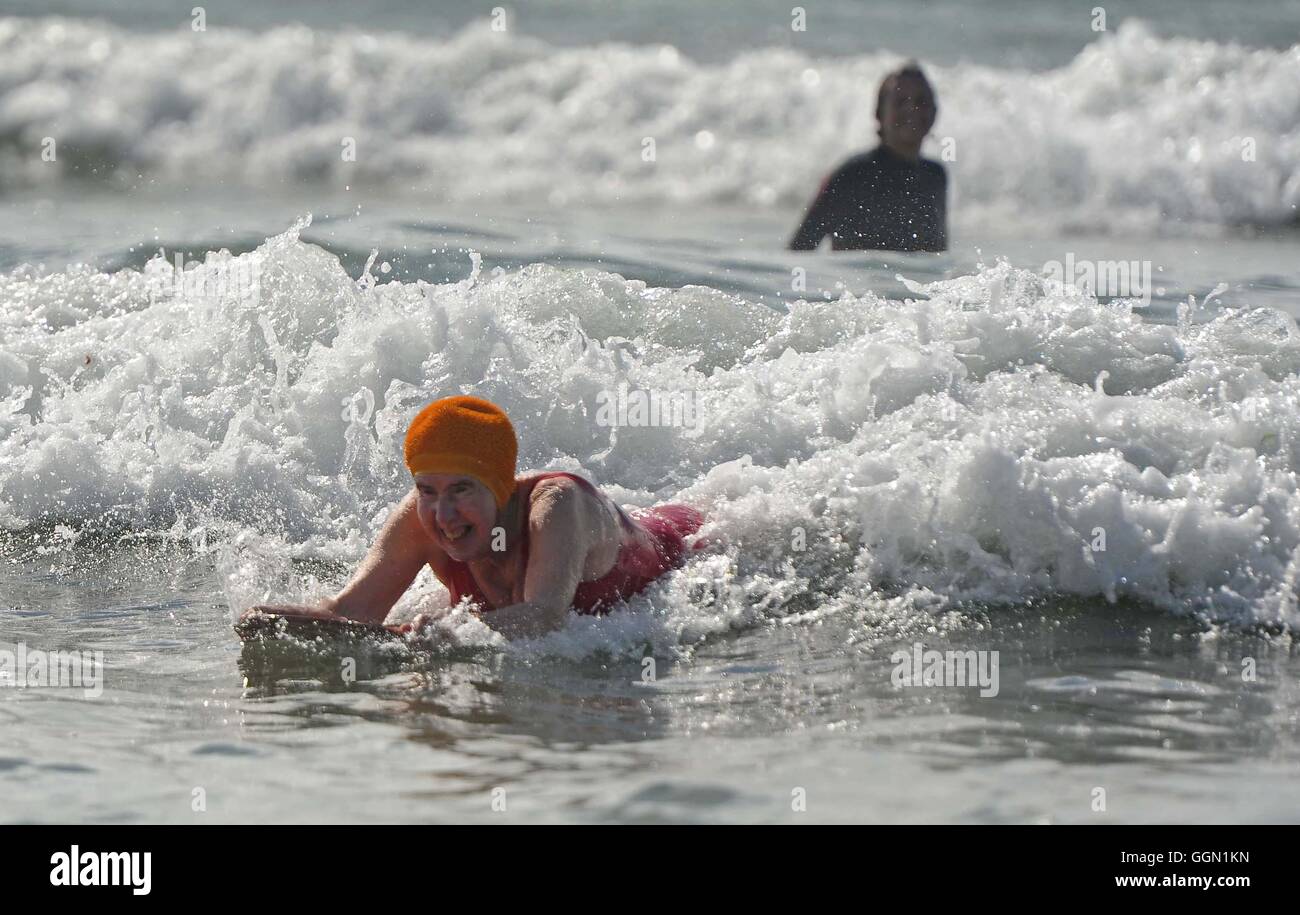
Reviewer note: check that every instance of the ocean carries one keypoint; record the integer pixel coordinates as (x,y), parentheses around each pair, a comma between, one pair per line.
(236,259)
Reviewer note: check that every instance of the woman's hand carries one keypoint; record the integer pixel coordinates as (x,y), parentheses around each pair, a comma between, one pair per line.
(424,620)
(296,611)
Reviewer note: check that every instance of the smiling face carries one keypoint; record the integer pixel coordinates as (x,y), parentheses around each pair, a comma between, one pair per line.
(906,111)
(458,512)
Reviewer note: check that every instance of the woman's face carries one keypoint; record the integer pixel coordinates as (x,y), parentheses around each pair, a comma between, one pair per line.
(459,513)
(907,112)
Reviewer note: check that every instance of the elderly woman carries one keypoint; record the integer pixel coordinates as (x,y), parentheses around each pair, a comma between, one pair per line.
(524,551)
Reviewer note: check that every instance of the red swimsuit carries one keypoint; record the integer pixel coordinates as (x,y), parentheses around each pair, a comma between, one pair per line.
(637,563)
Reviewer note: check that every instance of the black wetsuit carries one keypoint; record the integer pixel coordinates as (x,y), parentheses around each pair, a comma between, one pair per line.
(879,200)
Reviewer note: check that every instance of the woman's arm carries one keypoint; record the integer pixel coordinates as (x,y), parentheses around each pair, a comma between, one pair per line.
(394,559)
(565,523)
(817,221)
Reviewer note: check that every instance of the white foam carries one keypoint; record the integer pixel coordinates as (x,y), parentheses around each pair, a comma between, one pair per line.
(924,454)
(1137,133)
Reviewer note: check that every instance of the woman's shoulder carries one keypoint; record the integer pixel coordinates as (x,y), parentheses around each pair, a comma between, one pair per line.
(557,481)
(547,492)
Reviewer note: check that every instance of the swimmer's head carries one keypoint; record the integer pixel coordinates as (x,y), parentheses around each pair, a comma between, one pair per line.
(461,453)
(906,109)
(464,435)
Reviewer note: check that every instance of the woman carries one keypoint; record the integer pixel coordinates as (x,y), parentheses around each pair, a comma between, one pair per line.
(889,198)
(522,550)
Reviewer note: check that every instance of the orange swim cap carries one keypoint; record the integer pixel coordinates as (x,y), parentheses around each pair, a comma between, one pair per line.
(465,435)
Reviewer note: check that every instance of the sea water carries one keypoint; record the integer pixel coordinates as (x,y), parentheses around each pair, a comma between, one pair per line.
(213,330)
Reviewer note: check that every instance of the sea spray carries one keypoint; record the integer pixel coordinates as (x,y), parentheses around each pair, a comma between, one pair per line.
(901,457)
(1138,132)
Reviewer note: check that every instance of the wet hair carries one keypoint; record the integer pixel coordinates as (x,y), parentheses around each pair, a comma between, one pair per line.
(909,70)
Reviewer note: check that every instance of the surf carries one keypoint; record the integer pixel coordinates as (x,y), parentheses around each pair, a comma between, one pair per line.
(991,439)
(1137,133)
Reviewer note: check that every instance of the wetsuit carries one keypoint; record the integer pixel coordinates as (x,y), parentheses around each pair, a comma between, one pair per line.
(638,562)
(879,200)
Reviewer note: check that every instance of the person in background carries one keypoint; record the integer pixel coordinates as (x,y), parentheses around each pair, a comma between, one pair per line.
(889,198)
